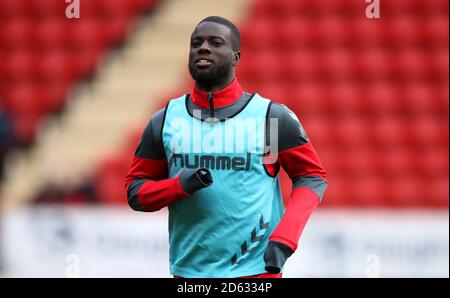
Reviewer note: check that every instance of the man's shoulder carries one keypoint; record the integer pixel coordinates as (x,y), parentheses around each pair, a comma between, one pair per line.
(290,130)
(281,111)
(159,115)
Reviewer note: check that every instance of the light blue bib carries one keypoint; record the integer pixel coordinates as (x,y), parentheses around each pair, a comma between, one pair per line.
(222,230)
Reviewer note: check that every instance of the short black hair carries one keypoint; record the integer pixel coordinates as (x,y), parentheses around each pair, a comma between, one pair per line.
(235,34)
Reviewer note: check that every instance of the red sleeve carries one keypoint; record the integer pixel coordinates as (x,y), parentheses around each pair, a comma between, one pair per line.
(300,163)
(148,187)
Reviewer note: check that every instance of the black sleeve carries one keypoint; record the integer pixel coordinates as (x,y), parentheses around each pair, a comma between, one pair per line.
(290,130)
(276,255)
(151,145)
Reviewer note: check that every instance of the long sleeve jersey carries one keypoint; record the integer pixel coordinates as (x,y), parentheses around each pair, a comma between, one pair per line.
(242,203)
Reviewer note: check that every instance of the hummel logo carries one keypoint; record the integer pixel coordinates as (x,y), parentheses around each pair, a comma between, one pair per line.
(212,162)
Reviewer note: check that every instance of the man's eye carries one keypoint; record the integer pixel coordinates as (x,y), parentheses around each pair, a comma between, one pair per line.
(195,44)
(216,43)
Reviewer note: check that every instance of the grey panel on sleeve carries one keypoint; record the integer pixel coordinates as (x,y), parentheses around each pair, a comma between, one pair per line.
(316,184)
(290,130)
(151,145)
(133,199)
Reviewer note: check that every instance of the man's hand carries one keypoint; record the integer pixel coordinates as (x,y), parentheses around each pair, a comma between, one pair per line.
(195,179)
(276,255)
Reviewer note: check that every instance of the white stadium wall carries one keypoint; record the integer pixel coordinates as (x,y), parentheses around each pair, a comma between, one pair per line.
(118,242)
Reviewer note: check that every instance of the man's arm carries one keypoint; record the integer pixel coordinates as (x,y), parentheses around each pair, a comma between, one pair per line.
(299,159)
(148,186)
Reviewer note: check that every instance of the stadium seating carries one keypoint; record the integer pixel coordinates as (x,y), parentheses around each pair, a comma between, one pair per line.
(377,107)
(369,94)
(372,94)
(40,47)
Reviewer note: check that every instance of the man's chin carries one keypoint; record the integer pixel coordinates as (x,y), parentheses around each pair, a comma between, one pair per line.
(203,76)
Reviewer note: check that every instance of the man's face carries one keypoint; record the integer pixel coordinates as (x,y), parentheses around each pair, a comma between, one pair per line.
(211,55)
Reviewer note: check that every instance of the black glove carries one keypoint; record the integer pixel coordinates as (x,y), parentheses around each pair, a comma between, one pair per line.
(276,255)
(195,179)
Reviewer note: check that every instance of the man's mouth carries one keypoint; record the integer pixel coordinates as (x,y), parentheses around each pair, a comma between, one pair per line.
(203,62)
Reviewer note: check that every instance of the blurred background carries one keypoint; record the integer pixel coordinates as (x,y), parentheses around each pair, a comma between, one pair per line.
(76,93)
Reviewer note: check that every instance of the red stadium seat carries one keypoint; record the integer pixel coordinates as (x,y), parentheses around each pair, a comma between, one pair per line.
(382,98)
(318,129)
(339,64)
(16,34)
(265,8)
(436,30)
(375,64)
(430,130)
(266,66)
(13,9)
(437,192)
(441,100)
(88,62)
(88,34)
(262,34)
(295,33)
(368,33)
(333,31)
(346,98)
(332,164)
(412,65)
(394,162)
(389,131)
(307,98)
(367,191)
(302,66)
(55,95)
(431,7)
(20,65)
(419,99)
(274,91)
(357,160)
(351,132)
(24,97)
(405,191)
(116,29)
(406,30)
(337,194)
(57,66)
(115,8)
(52,33)
(245,69)
(439,64)
(49,8)
(432,161)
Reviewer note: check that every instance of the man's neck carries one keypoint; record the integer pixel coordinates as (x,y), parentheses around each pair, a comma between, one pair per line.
(216,86)
(221,97)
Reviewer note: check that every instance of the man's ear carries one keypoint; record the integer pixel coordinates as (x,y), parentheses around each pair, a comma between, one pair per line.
(237,57)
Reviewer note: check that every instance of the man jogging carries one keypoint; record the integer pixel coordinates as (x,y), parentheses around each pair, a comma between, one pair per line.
(213,158)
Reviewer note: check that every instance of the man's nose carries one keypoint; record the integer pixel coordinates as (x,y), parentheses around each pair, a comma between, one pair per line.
(204,47)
